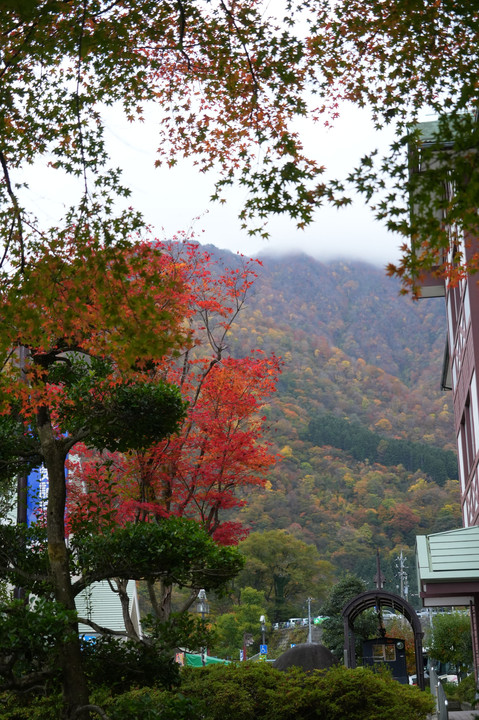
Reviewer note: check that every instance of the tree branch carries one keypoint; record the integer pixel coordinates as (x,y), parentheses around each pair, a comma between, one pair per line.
(100,629)
(17,215)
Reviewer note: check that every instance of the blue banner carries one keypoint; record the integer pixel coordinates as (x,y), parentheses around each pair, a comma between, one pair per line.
(37,494)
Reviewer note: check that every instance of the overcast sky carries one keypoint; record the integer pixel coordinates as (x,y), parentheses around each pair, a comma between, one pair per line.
(178,199)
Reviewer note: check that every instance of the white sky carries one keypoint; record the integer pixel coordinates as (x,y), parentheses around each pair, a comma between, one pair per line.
(178,199)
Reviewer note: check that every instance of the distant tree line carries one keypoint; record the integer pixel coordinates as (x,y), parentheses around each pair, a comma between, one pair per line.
(363,444)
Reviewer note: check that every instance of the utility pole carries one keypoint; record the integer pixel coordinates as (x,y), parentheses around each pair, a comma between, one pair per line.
(310,636)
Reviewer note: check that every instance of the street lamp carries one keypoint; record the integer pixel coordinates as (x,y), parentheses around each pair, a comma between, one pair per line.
(263,626)
(203,608)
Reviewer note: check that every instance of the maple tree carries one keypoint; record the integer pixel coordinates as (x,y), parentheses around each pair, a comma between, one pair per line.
(82,335)
(203,470)
(225,80)
(407,62)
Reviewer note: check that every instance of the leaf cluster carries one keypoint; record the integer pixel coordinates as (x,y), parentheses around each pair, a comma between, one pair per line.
(176,550)
(365,626)
(19,447)
(123,664)
(402,62)
(31,634)
(24,560)
(227,80)
(117,415)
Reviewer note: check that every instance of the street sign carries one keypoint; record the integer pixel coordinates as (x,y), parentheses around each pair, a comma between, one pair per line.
(263,649)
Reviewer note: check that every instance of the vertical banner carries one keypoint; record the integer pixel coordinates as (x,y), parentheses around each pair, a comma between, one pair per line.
(37,494)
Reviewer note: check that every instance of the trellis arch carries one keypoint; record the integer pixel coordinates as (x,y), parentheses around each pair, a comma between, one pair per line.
(381,599)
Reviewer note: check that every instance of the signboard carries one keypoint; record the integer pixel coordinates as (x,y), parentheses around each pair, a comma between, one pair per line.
(263,649)
(241,655)
(180,658)
(37,494)
(387,651)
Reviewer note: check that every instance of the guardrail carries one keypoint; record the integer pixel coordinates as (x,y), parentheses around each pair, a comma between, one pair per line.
(437,691)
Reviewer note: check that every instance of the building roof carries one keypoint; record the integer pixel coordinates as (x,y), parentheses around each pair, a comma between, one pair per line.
(451,555)
(428,130)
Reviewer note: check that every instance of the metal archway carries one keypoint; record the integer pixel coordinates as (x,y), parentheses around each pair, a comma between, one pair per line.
(381,599)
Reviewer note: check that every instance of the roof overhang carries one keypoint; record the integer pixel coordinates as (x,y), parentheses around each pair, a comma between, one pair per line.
(448,567)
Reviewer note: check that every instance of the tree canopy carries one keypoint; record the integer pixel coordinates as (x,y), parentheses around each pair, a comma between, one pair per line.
(285,568)
(408,62)
(365,626)
(450,641)
(227,82)
(226,79)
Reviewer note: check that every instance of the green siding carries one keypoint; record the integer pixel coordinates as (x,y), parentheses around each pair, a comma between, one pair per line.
(449,555)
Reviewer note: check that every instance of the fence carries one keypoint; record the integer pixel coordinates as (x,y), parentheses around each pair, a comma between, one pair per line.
(438,692)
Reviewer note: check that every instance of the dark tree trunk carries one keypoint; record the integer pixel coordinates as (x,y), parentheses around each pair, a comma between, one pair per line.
(160,599)
(75,690)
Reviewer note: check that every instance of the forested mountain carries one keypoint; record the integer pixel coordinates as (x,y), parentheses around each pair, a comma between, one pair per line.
(364,431)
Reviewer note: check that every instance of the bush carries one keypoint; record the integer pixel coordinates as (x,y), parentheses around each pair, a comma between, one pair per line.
(121,665)
(363,694)
(260,691)
(465,691)
(255,691)
(154,704)
(30,706)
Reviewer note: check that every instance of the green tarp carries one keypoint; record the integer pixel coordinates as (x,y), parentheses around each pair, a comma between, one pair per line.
(195,660)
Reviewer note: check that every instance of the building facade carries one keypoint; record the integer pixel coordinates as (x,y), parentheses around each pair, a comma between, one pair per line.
(448,562)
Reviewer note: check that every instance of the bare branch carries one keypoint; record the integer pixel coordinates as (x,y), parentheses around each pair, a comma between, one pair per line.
(90,708)
(100,629)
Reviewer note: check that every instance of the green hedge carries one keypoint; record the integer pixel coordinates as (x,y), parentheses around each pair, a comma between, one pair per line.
(256,691)
(260,691)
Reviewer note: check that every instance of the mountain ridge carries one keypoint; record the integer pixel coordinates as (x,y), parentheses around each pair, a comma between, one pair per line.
(353,348)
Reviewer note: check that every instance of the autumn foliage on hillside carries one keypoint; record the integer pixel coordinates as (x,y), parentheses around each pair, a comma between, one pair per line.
(363,360)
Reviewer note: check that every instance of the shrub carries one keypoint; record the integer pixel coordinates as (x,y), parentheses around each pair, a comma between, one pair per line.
(465,691)
(121,665)
(154,704)
(30,706)
(363,694)
(254,691)
(260,691)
